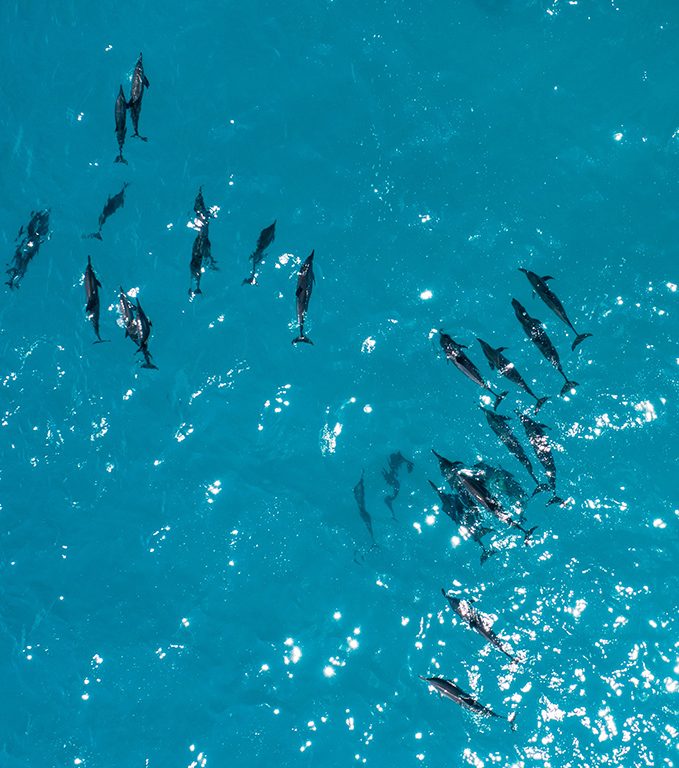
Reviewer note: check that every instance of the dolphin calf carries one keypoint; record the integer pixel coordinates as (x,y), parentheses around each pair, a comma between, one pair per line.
(500,425)
(139,83)
(455,355)
(451,691)
(112,204)
(305,284)
(535,432)
(466,611)
(266,237)
(29,240)
(121,124)
(92,308)
(390,475)
(551,300)
(359,495)
(535,331)
(498,362)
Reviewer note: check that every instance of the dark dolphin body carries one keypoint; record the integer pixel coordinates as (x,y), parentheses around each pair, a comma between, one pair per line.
(503,482)
(535,432)
(451,691)
(139,82)
(359,495)
(500,425)
(28,246)
(201,210)
(466,611)
(201,257)
(455,355)
(498,362)
(266,237)
(535,331)
(305,284)
(121,124)
(477,489)
(390,475)
(137,326)
(552,301)
(465,514)
(93,307)
(112,204)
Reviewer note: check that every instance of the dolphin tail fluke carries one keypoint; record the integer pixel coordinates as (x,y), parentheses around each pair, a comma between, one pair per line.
(511,719)
(303,339)
(528,533)
(93,236)
(250,280)
(149,364)
(101,341)
(579,339)
(556,500)
(499,398)
(540,488)
(541,401)
(567,387)
(120,159)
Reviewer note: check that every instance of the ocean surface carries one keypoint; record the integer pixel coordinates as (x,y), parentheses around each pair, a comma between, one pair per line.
(185,578)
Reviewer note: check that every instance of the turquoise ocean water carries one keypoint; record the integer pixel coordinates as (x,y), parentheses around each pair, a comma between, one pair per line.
(185,579)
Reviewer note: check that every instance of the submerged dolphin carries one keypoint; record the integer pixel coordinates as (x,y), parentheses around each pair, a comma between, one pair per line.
(305,284)
(535,331)
(93,307)
(451,691)
(36,232)
(455,355)
(466,611)
(121,124)
(359,495)
(552,301)
(498,362)
(112,204)
(266,237)
(396,461)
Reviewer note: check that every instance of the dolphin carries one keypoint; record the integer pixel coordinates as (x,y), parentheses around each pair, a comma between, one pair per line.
(121,124)
(466,611)
(535,432)
(305,284)
(139,82)
(201,257)
(201,210)
(112,204)
(144,325)
(92,308)
(266,237)
(137,326)
(455,355)
(28,246)
(535,331)
(359,495)
(390,475)
(498,362)
(551,300)
(500,425)
(451,691)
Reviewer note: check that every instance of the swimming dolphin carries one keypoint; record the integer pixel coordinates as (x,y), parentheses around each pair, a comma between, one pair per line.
(451,691)
(498,362)
(92,308)
(466,611)
(36,232)
(551,300)
(502,481)
(266,237)
(535,432)
(121,124)
(201,257)
(201,210)
(137,326)
(139,82)
(467,516)
(144,325)
(359,495)
(112,204)
(500,425)
(396,461)
(455,355)
(305,284)
(476,488)
(535,331)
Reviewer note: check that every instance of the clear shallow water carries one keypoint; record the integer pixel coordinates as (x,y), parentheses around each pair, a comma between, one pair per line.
(178,560)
